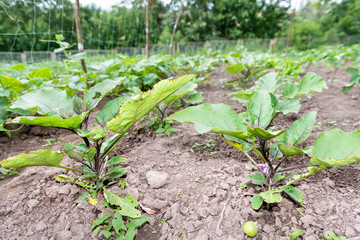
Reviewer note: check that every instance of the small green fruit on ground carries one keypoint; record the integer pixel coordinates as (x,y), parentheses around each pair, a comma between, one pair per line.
(250,229)
(328,235)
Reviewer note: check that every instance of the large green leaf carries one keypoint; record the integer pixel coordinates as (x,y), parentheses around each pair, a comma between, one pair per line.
(355,78)
(52,121)
(311,83)
(10,82)
(46,102)
(118,223)
(257,178)
(243,96)
(235,69)
(269,82)
(137,107)
(93,96)
(3,113)
(95,134)
(194,97)
(260,109)
(289,106)
(219,118)
(127,205)
(347,88)
(289,150)
(256,201)
(18,67)
(110,110)
(130,233)
(270,197)
(263,134)
(289,90)
(336,148)
(292,192)
(43,157)
(187,88)
(237,143)
(45,73)
(301,129)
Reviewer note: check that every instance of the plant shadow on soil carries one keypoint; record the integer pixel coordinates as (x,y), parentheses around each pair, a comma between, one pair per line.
(202,197)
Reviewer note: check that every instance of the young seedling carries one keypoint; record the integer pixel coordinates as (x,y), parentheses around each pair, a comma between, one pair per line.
(296,234)
(245,71)
(355,79)
(177,153)
(332,123)
(196,147)
(243,186)
(209,143)
(212,154)
(253,131)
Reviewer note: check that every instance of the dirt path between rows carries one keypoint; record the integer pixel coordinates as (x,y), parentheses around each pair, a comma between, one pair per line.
(201,197)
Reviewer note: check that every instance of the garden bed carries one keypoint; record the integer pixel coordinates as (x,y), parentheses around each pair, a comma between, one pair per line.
(202,195)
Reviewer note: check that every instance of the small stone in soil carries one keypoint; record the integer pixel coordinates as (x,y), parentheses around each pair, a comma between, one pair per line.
(224,185)
(268,229)
(156,179)
(349,232)
(41,226)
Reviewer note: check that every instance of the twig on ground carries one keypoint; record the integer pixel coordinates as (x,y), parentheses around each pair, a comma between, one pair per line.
(151,227)
(222,213)
(197,229)
(316,237)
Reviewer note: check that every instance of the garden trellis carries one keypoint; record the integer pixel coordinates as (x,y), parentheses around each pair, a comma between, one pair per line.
(29,26)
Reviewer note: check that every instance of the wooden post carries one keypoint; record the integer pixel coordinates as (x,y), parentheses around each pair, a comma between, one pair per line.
(174,31)
(53,56)
(147,29)
(78,32)
(288,40)
(23,57)
(207,45)
(272,44)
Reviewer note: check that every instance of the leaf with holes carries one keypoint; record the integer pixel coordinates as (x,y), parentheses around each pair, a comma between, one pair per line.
(127,205)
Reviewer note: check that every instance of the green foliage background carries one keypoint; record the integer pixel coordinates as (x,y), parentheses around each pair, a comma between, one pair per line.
(201,20)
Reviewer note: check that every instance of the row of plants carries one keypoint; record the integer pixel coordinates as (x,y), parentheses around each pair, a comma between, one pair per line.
(247,66)
(139,74)
(254,130)
(40,97)
(96,169)
(132,76)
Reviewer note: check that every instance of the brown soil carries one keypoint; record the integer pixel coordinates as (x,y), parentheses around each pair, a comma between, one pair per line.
(201,197)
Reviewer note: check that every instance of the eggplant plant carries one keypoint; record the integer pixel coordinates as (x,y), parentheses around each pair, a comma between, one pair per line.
(53,108)
(185,94)
(246,71)
(278,151)
(355,79)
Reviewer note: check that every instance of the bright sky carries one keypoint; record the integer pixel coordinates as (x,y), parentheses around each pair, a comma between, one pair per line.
(106,4)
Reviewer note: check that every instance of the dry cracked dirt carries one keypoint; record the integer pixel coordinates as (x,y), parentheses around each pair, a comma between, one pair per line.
(197,196)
